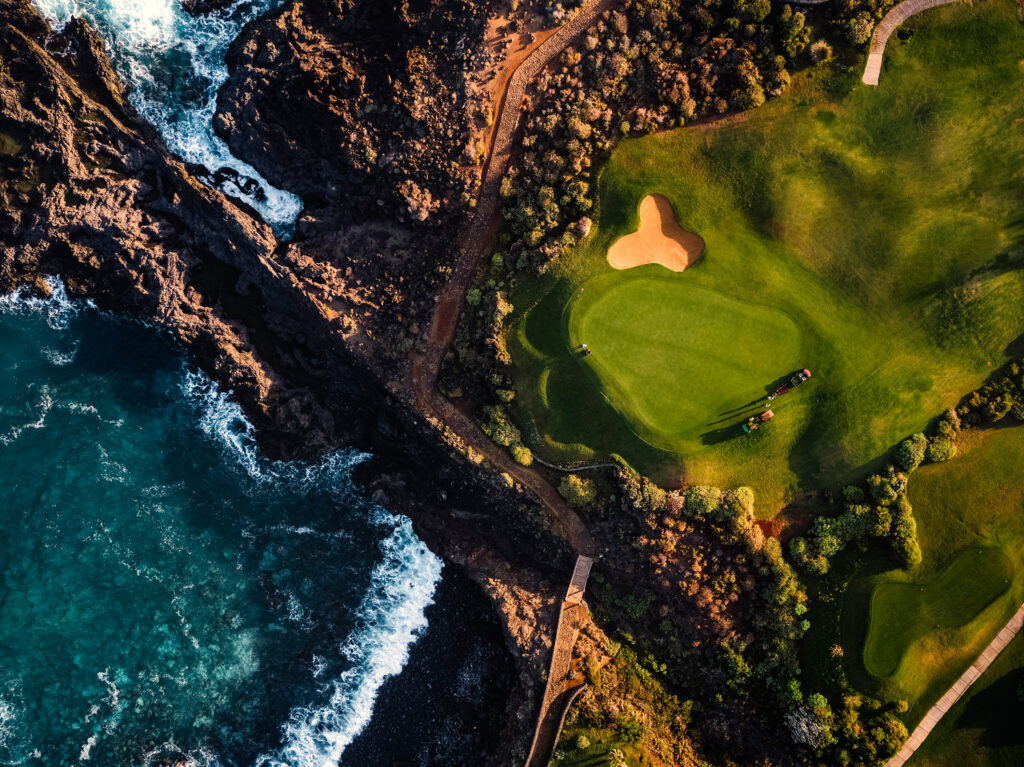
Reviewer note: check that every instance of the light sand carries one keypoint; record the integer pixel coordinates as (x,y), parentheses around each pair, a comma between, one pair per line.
(659,240)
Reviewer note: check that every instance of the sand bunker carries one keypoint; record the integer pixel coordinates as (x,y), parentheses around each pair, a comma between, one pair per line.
(659,240)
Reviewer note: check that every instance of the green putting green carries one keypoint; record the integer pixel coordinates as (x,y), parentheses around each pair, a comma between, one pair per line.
(918,631)
(865,233)
(679,360)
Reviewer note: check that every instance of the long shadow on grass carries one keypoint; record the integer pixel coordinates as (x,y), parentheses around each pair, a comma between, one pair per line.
(717,436)
(996,709)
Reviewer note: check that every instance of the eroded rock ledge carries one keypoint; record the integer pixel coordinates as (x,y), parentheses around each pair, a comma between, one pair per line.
(307,334)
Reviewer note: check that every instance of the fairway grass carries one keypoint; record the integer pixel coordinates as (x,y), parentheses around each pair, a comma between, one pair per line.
(864,233)
(902,613)
(926,626)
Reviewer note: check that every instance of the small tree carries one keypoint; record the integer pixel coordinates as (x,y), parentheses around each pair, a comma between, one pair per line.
(821,52)
(579,492)
(911,451)
(859,28)
(940,449)
(521,454)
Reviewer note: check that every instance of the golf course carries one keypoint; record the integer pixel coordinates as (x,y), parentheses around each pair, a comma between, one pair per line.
(918,630)
(871,235)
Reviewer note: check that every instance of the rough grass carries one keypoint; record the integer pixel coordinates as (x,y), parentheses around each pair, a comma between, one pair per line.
(880,222)
(903,613)
(932,622)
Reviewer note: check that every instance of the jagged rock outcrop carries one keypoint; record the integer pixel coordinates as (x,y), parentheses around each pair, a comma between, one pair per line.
(358,105)
(307,334)
(88,190)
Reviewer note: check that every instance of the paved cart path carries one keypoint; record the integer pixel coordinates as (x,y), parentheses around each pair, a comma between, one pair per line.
(886,27)
(960,686)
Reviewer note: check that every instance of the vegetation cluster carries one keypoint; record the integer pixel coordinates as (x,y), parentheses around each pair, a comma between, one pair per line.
(880,508)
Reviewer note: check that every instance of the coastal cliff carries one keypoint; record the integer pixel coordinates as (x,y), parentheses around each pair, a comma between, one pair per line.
(309,335)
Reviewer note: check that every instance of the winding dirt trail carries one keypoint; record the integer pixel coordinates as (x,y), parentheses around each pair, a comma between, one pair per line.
(475,243)
(884,30)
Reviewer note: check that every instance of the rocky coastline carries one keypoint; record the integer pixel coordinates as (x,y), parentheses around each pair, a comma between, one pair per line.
(312,336)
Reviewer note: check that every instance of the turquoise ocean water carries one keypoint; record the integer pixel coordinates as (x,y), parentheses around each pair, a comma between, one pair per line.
(166,591)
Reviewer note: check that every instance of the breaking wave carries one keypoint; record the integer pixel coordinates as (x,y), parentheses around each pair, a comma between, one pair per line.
(390,619)
(174,65)
(388,611)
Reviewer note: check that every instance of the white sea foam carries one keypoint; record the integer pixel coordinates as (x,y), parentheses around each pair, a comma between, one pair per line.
(59,358)
(42,408)
(58,309)
(391,617)
(222,420)
(174,64)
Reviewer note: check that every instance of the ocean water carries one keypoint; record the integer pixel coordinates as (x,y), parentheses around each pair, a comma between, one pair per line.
(174,65)
(166,592)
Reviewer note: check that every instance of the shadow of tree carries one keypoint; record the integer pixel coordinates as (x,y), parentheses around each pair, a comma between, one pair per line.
(998,711)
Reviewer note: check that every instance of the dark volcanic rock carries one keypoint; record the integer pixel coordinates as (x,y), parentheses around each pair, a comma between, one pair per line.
(200,7)
(308,335)
(357,104)
(87,190)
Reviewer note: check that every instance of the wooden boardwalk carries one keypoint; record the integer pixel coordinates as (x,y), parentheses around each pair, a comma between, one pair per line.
(960,686)
(560,691)
(578,582)
(884,30)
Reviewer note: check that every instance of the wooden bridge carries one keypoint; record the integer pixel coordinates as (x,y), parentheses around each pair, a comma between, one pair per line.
(560,691)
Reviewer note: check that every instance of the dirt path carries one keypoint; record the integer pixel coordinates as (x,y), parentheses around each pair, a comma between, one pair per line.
(960,686)
(886,27)
(475,243)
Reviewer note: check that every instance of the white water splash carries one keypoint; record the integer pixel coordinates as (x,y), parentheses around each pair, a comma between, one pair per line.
(42,408)
(58,309)
(174,65)
(390,619)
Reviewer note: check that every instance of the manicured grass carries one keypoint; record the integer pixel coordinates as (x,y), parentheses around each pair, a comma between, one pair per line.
(682,360)
(602,742)
(839,220)
(903,613)
(970,518)
(984,728)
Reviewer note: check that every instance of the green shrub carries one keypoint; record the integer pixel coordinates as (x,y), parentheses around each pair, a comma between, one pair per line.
(911,451)
(701,500)
(940,449)
(499,428)
(582,742)
(579,492)
(521,454)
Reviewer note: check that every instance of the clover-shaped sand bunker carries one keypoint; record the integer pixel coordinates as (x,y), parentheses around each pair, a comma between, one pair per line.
(659,240)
